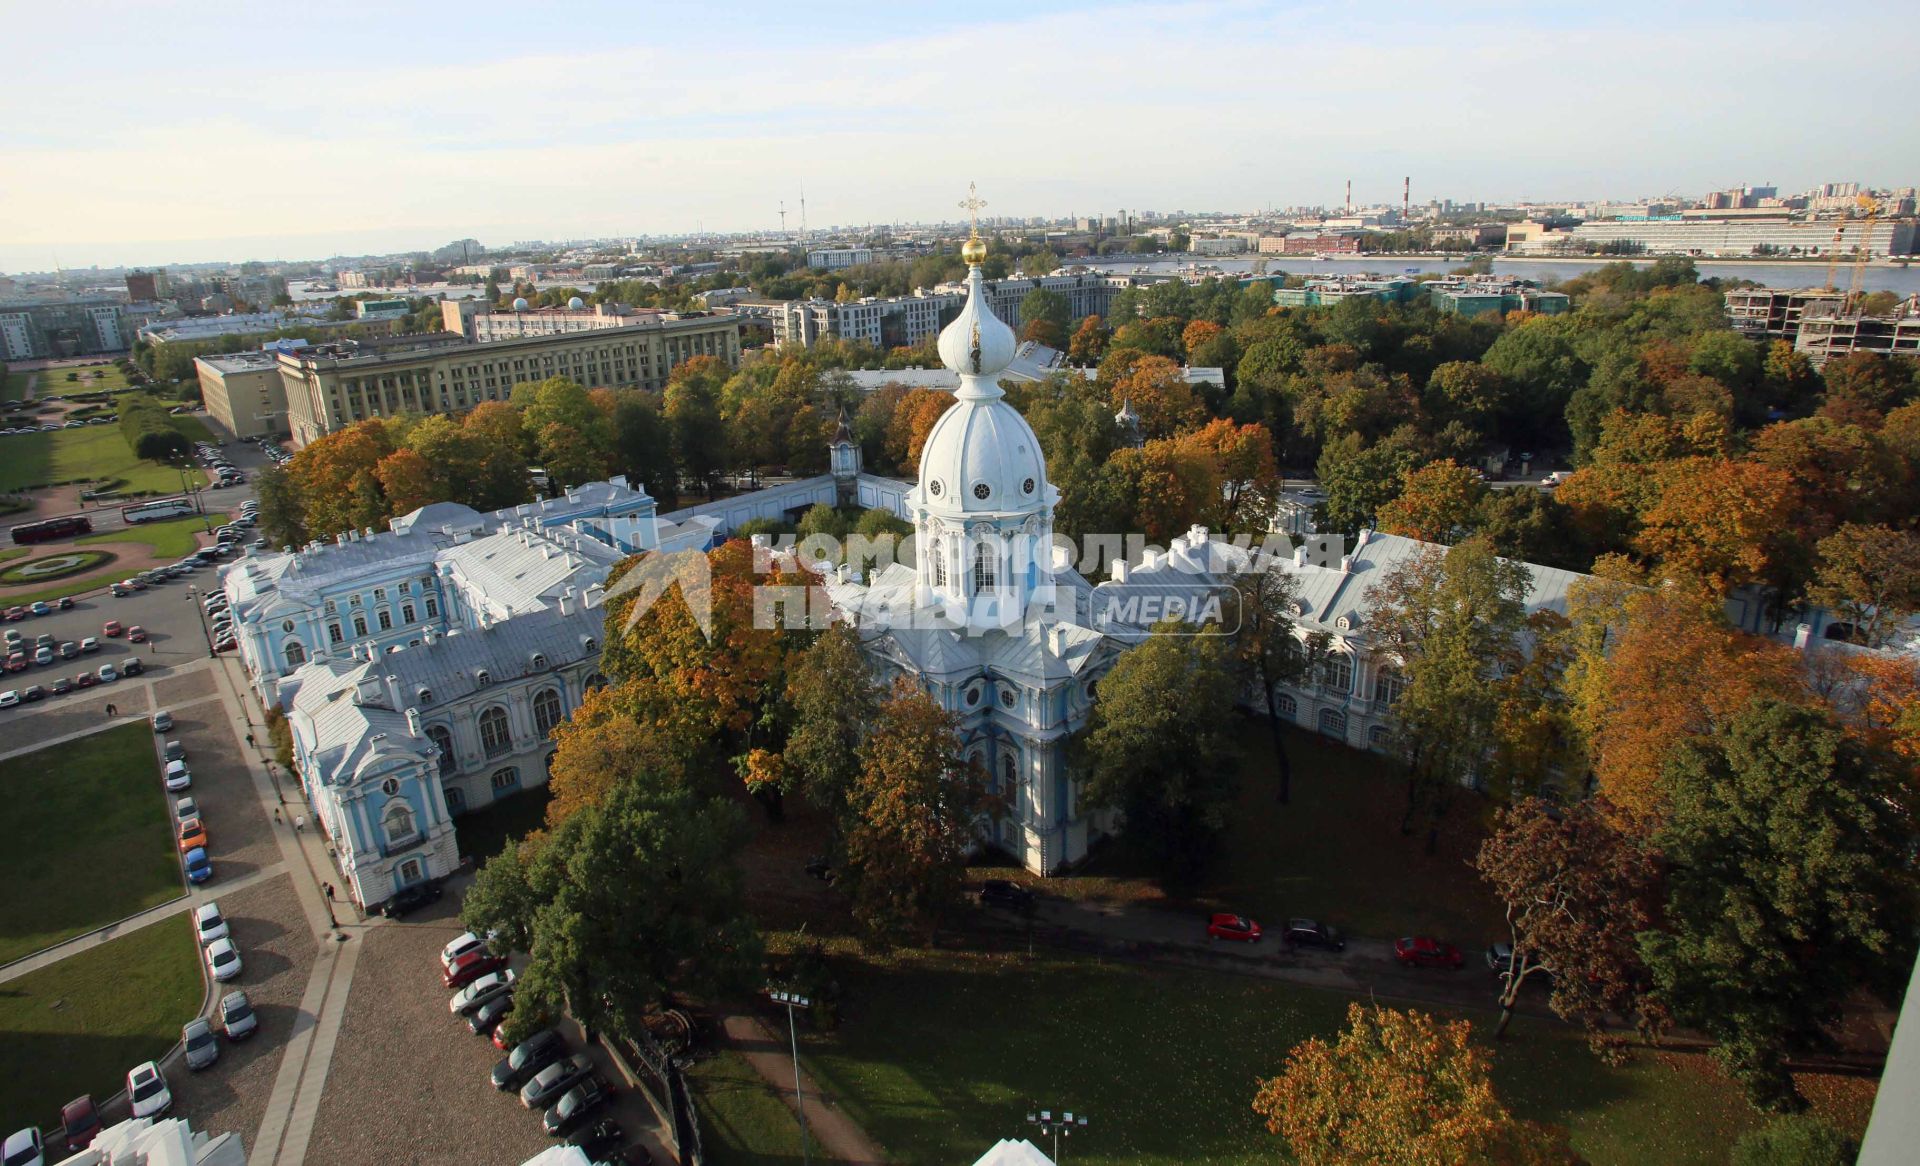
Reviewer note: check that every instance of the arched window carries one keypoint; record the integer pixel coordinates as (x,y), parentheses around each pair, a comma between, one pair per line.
(1009,776)
(1289,707)
(984,577)
(546,711)
(1388,685)
(1336,672)
(495,737)
(359,625)
(505,781)
(443,741)
(595,681)
(1378,738)
(398,823)
(938,554)
(296,654)
(1333,723)
(456,800)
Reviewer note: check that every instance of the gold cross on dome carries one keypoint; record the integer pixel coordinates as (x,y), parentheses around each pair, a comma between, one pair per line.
(972,204)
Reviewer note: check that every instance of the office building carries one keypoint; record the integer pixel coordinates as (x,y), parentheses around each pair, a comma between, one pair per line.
(1733,238)
(392,309)
(244,393)
(83,326)
(479,322)
(1476,296)
(884,323)
(331,386)
(835,258)
(146,286)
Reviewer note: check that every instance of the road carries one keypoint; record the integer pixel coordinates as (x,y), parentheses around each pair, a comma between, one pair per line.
(246,457)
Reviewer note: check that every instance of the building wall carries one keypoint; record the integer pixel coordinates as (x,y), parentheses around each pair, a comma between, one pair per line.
(250,402)
(60,328)
(1743,238)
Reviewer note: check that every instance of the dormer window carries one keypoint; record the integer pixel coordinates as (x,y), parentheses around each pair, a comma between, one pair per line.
(426,696)
(482,677)
(539,662)
(1346,623)
(588,643)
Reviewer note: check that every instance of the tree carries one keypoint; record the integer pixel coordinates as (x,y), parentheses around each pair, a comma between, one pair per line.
(500,445)
(1437,503)
(835,704)
(1089,342)
(624,903)
(693,416)
(1788,884)
(1577,891)
(1160,745)
(614,736)
(1721,521)
(642,447)
(1799,1139)
(283,518)
(339,488)
(1455,620)
(1397,1089)
(1050,308)
(1359,479)
(1270,651)
(1871,576)
(408,482)
(912,816)
(1160,394)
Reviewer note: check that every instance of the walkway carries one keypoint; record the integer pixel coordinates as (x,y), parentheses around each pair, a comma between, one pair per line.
(838,1136)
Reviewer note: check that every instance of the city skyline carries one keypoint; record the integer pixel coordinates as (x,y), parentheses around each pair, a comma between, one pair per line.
(364,130)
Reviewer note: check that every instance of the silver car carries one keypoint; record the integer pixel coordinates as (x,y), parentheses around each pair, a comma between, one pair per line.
(237,1017)
(201,1049)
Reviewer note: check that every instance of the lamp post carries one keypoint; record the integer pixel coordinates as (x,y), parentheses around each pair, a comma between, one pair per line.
(793,1000)
(1057,1123)
(193,597)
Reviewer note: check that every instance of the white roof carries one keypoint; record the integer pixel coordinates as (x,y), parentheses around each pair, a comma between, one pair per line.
(1008,1152)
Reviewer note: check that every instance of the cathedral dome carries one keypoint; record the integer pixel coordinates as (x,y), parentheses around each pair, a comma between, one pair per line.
(977,343)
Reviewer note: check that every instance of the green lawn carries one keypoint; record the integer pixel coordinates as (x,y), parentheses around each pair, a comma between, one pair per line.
(15,388)
(78,1026)
(92,839)
(940,1055)
(743,1121)
(171,539)
(93,378)
(1334,852)
(96,452)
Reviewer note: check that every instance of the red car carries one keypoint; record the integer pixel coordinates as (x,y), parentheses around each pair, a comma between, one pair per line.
(1233,927)
(80,1122)
(16,662)
(470,966)
(136,634)
(16,613)
(1420,951)
(113,628)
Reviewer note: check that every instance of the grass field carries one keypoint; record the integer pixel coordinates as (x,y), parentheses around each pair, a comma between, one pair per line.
(97,452)
(941,1054)
(171,539)
(78,1026)
(92,839)
(743,1121)
(15,386)
(93,378)
(1334,852)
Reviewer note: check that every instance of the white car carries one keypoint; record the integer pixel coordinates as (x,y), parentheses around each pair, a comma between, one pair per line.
(184,808)
(461,944)
(177,777)
(147,1091)
(24,1148)
(223,960)
(106,674)
(9,698)
(481,990)
(208,923)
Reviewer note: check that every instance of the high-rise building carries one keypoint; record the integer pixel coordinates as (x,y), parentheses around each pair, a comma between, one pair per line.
(85,326)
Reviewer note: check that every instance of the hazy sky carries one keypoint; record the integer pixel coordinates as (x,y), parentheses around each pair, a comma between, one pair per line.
(201,130)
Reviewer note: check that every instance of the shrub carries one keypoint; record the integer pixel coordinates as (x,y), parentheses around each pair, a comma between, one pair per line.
(1796,1140)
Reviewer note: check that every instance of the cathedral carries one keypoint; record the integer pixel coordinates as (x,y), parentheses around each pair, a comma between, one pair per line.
(987,618)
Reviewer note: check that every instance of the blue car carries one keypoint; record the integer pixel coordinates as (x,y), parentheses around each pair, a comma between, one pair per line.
(199,866)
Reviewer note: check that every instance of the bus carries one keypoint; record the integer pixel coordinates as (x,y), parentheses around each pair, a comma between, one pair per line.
(48,529)
(156,510)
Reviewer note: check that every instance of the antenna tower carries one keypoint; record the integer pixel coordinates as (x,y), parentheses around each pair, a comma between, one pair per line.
(783,218)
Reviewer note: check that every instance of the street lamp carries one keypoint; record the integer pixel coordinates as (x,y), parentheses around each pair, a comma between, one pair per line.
(793,1000)
(1063,1122)
(193,597)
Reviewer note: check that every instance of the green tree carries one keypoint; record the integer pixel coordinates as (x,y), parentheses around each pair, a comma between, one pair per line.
(643,447)
(693,418)
(1271,651)
(1870,576)
(1788,885)
(624,903)
(1160,746)
(1359,479)
(283,519)
(1051,307)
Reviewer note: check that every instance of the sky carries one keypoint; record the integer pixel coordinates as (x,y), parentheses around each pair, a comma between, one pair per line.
(199,130)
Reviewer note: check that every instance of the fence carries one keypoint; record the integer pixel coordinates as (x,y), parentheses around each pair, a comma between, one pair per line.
(652,1070)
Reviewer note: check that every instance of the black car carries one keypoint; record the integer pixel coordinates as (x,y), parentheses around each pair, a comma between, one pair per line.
(132,666)
(62,686)
(33,692)
(574,1108)
(1307,933)
(527,1058)
(65,603)
(488,1016)
(549,1083)
(410,899)
(1002,893)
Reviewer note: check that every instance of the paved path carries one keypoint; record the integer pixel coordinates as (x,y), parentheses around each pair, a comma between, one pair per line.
(838,1136)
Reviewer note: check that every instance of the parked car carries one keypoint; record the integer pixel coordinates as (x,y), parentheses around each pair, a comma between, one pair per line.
(174,750)
(16,662)
(460,945)
(1006,893)
(162,721)
(136,634)
(178,776)
(80,1123)
(9,698)
(33,692)
(199,866)
(24,1148)
(1421,951)
(1235,927)
(196,1040)
(68,649)
(550,1083)
(85,680)
(64,603)
(528,1057)
(186,807)
(487,1018)
(112,628)
(1307,933)
(147,1092)
(223,960)
(574,1107)
(471,966)
(43,655)
(192,834)
(106,674)
(602,1141)
(40,607)
(208,924)
(237,1017)
(90,644)
(409,899)
(468,999)
(132,666)
(61,687)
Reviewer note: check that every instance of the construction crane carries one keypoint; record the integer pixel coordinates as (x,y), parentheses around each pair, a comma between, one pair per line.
(1862,251)
(1833,249)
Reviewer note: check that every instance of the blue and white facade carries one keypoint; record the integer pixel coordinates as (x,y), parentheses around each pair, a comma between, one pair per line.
(424,667)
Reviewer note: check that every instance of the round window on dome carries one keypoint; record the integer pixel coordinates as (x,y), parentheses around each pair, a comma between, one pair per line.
(1026,487)
(981,490)
(935,487)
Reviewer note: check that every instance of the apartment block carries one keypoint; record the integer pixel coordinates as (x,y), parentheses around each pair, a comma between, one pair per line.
(244,393)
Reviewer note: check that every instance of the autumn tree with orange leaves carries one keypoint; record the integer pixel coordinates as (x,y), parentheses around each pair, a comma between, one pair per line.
(1160,394)
(1398,1089)
(1437,503)
(1721,521)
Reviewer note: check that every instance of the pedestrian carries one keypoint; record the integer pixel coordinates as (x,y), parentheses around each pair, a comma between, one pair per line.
(329,887)
(249,740)
(111,711)
(276,815)
(299,823)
